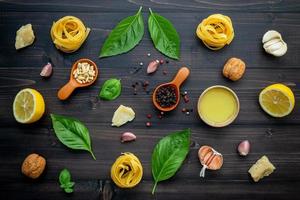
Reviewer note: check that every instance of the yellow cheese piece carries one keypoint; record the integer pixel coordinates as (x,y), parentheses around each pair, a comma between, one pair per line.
(24,36)
(262,167)
(122,115)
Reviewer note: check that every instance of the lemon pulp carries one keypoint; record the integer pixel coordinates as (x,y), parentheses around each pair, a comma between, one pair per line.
(28,106)
(277,100)
(217,106)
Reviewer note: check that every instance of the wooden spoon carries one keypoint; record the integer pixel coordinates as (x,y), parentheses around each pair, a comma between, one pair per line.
(180,77)
(68,88)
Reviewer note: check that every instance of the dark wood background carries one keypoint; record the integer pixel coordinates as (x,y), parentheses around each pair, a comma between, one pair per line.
(279,139)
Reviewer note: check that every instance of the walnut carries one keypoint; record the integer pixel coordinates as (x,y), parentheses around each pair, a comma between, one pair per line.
(234,69)
(33,165)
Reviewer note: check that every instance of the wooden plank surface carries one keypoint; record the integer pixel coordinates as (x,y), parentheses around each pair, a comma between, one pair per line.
(277,138)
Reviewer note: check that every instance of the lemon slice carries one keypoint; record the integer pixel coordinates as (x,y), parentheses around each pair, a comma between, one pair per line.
(277,100)
(29,106)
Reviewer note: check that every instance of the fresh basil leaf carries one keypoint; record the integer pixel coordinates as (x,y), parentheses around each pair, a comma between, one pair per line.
(111,89)
(72,133)
(65,181)
(64,177)
(164,35)
(70,184)
(125,36)
(68,190)
(169,154)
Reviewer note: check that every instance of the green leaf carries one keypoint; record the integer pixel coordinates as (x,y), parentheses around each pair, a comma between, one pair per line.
(169,154)
(164,35)
(68,190)
(125,36)
(111,89)
(72,133)
(64,177)
(65,181)
(70,184)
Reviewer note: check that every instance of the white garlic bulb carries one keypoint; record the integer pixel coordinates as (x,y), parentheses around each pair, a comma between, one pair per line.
(274,44)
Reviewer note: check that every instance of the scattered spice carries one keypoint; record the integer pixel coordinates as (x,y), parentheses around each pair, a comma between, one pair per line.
(141,64)
(164,72)
(186,98)
(187,113)
(166,96)
(148,124)
(84,73)
(145,83)
(149,54)
(159,116)
(167,61)
(161,61)
(149,116)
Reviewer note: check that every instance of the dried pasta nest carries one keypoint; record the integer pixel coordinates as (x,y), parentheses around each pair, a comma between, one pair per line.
(127,171)
(69,33)
(216,31)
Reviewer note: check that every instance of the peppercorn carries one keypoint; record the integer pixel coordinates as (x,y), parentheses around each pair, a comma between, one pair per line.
(148,124)
(146,83)
(166,96)
(149,116)
(186,98)
(161,61)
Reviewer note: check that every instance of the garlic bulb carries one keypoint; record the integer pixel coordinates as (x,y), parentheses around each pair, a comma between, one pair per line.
(274,44)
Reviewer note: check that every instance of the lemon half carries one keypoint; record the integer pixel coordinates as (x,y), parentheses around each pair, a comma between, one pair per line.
(277,100)
(29,106)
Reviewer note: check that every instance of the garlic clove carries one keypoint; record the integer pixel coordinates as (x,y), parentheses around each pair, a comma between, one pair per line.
(47,70)
(281,51)
(272,42)
(244,148)
(152,67)
(270,35)
(127,137)
(275,47)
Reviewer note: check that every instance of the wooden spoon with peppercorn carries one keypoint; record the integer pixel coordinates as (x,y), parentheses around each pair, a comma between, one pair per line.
(84,73)
(167,95)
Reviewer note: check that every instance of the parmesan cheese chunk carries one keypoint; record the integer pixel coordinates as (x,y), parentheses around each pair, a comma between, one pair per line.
(122,115)
(263,167)
(24,36)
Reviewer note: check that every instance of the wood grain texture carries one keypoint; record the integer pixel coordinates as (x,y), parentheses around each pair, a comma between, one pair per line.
(279,139)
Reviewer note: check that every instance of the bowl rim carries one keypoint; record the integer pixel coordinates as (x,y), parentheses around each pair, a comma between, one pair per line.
(219,124)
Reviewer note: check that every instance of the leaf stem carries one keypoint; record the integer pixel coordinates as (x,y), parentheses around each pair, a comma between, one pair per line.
(140,9)
(150,10)
(154,188)
(92,154)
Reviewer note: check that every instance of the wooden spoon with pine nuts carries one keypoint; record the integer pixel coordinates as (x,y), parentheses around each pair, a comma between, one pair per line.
(84,73)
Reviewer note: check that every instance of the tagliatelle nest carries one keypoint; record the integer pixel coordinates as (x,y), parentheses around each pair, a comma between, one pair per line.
(68,33)
(127,171)
(216,31)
